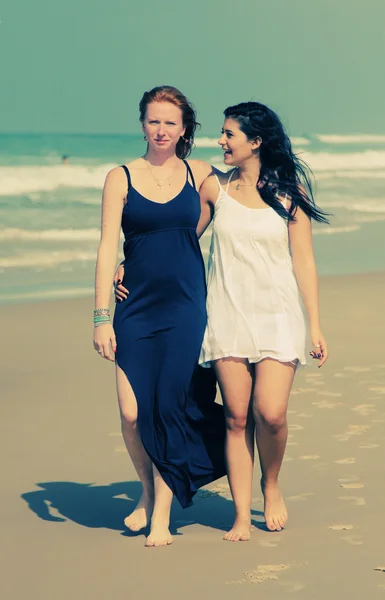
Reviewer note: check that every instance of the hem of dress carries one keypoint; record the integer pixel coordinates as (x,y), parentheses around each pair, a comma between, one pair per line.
(206,364)
(191,486)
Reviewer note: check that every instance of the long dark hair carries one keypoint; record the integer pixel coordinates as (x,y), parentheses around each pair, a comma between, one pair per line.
(282,172)
(168,93)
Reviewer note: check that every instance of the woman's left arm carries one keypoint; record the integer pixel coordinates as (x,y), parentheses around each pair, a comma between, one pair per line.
(300,236)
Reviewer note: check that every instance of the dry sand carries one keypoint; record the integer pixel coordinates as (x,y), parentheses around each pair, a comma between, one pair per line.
(68,483)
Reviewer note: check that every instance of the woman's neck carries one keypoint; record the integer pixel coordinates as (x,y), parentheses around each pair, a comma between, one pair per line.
(161,159)
(248,171)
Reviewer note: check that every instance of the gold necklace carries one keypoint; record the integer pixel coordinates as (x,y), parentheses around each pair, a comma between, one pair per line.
(159,182)
(244,184)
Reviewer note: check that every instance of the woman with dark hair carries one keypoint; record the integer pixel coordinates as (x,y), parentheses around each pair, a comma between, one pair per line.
(172,429)
(261,263)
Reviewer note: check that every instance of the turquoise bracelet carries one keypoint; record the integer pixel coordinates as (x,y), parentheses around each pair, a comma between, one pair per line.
(102,319)
(101,323)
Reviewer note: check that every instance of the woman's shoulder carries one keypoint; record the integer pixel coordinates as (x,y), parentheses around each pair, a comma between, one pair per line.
(206,172)
(223,176)
(137,163)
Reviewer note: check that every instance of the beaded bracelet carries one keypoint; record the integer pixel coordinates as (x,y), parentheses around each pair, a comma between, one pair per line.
(101,311)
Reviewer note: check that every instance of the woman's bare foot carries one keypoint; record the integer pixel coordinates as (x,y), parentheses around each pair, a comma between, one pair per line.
(275,508)
(159,535)
(240,531)
(141,515)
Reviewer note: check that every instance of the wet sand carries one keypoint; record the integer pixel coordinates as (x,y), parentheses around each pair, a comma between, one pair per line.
(68,483)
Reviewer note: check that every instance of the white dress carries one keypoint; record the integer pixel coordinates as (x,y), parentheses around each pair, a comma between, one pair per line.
(254,308)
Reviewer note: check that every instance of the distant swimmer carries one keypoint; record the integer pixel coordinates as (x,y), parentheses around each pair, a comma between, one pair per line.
(65,159)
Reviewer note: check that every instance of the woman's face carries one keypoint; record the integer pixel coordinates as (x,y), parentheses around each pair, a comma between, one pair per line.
(163,125)
(237,148)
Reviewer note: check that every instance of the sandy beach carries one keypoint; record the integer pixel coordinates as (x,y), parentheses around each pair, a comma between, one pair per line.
(68,482)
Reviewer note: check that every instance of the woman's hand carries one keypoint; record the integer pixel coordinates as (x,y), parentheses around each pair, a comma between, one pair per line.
(105,341)
(120,291)
(320,351)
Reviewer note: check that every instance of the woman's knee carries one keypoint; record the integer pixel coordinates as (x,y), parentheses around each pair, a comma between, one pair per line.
(236,423)
(274,421)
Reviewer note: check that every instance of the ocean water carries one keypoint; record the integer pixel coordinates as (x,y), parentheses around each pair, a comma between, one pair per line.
(50,212)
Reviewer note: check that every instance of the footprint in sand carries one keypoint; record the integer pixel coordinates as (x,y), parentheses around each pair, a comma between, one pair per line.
(356,500)
(368,446)
(357,369)
(321,467)
(261,574)
(295,427)
(300,497)
(364,409)
(292,586)
(353,540)
(302,391)
(305,415)
(331,394)
(341,375)
(350,479)
(326,404)
(309,457)
(221,489)
(265,573)
(341,527)
(120,449)
(346,461)
(352,430)
(312,376)
(341,437)
(378,389)
(352,486)
(357,429)
(256,500)
(380,569)
(270,543)
(289,443)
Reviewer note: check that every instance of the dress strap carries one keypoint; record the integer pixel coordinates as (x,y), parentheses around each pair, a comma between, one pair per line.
(189,172)
(229,179)
(283,200)
(218,182)
(127,172)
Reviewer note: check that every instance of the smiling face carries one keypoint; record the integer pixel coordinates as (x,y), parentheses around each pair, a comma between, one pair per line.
(236,146)
(163,125)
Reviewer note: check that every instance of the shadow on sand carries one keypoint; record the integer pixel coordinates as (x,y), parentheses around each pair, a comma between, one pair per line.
(106,506)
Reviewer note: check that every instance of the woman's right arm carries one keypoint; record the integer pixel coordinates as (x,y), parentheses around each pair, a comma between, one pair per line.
(208,195)
(112,206)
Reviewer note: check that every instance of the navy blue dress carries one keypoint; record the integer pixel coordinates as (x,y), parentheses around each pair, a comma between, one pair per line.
(159,331)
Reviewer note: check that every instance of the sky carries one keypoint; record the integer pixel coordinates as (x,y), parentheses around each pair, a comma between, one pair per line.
(81,66)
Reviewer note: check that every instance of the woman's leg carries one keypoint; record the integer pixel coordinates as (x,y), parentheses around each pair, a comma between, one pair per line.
(273,381)
(160,521)
(140,517)
(235,380)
